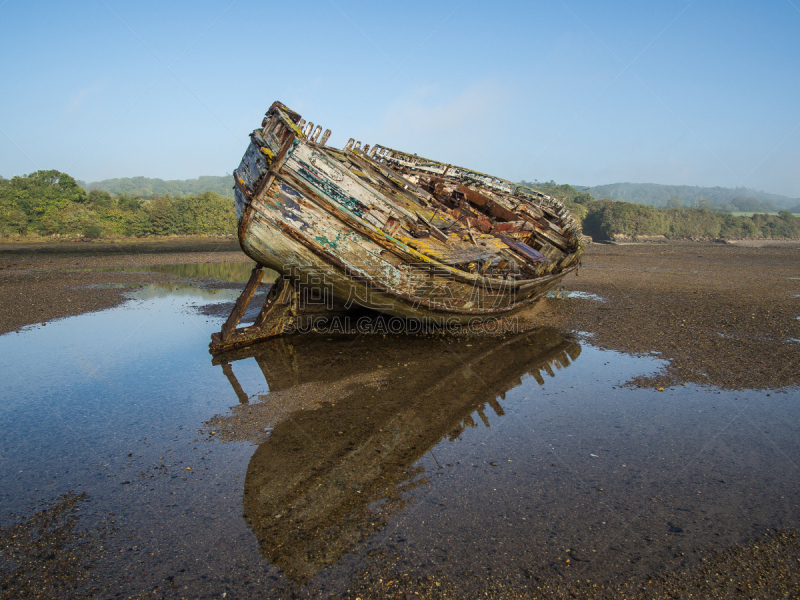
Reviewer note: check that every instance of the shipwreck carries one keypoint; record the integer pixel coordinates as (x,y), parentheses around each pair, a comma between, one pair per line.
(386,230)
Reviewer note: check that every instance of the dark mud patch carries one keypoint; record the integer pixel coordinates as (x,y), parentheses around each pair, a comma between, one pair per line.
(41,287)
(223,309)
(167,245)
(763,568)
(49,555)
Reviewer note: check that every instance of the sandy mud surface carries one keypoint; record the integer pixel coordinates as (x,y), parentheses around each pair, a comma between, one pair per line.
(43,282)
(723,315)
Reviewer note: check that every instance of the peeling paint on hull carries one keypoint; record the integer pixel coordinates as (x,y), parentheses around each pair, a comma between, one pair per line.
(404,235)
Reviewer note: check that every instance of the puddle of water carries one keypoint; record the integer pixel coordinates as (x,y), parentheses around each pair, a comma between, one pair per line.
(587,296)
(346,448)
(174,290)
(160,290)
(579,295)
(110,286)
(238,272)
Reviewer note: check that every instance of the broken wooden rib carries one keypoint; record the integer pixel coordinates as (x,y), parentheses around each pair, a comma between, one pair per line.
(278,313)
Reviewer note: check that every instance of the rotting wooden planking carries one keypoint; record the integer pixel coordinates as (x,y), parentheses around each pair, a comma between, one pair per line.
(383,229)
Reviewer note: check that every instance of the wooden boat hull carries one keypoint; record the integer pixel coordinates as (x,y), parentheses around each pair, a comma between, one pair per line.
(387,231)
(354,270)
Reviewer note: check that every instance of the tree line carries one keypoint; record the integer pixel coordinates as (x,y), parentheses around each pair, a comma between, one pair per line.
(147,187)
(718,199)
(52,203)
(604,219)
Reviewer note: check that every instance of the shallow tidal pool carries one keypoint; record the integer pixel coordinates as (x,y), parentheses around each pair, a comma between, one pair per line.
(300,464)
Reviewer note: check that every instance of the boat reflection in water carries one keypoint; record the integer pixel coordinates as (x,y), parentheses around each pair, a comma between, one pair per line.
(346,420)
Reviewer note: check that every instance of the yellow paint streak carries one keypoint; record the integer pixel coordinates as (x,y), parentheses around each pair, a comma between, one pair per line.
(493,244)
(428,214)
(429,246)
(290,124)
(455,250)
(437,249)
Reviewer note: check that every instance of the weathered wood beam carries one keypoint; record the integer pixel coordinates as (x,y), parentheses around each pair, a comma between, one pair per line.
(241,302)
(280,309)
(280,306)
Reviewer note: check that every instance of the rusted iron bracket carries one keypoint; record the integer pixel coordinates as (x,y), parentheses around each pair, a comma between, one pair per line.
(279,311)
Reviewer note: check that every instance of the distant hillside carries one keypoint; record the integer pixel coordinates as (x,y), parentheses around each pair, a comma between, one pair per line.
(677,196)
(145,187)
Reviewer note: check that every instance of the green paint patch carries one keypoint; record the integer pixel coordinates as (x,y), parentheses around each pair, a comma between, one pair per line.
(326,242)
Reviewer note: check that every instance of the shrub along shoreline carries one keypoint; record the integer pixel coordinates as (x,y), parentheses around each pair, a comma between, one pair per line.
(607,220)
(611,219)
(52,204)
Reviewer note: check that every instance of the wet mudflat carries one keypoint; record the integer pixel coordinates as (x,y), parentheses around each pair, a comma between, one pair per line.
(372,466)
(723,315)
(41,282)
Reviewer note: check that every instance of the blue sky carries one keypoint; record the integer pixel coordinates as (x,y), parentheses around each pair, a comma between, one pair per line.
(683,92)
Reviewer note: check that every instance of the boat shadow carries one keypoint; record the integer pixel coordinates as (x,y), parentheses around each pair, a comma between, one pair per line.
(347,420)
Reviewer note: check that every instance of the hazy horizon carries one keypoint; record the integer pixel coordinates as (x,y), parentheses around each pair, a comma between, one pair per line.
(576,186)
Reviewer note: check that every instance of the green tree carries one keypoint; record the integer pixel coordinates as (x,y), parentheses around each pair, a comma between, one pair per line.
(99,199)
(564,192)
(18,221)
(205,213)
(129,203)
(746,204)
(43,196)
(138,223)
(160,215)
(93,231)
(605,218)
(675,202)
(703,203)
